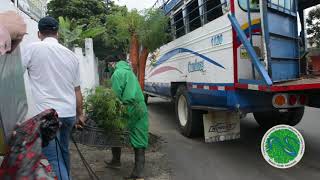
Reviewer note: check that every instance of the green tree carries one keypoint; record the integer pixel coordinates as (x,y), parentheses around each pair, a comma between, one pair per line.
(152,35)
(125,32)
(126,27)
(114,41)
(70,34)
(153,32)
(145,31)
(117,37)
(89,14)
(313,27)
(83,11)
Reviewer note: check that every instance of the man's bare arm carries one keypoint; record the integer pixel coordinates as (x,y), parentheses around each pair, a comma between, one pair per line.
(79,101)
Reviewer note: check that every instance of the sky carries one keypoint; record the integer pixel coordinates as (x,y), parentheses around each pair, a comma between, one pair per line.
(138,4)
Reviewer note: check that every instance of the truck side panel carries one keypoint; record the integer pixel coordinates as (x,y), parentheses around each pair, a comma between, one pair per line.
(202,56)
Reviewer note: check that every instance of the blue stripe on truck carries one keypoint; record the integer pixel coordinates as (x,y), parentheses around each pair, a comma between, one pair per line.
(174,52)
(246,100)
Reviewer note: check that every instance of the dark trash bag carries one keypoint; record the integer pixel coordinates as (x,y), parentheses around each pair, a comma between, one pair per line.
(25,159)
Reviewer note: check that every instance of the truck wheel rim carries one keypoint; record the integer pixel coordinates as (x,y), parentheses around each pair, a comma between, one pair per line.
(182,110)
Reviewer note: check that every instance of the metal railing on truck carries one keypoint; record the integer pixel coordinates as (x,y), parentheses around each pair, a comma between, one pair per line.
(181,26)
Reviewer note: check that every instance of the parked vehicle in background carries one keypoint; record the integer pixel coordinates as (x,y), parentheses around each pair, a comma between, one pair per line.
(232,56)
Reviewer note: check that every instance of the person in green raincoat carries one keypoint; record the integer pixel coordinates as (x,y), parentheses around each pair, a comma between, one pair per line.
(125,84)
(109,69)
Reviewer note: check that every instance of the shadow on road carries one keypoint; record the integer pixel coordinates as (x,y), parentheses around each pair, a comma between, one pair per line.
(237,159)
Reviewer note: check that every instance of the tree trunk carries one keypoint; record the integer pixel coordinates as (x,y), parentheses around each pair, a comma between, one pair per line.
(142,66)
(134,52)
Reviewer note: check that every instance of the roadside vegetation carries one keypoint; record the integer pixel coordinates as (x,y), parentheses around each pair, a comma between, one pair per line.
(115,30)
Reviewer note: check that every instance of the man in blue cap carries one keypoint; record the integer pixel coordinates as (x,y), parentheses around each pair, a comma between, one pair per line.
(54,77)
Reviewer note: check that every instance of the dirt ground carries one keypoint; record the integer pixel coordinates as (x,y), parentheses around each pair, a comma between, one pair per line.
(156,167)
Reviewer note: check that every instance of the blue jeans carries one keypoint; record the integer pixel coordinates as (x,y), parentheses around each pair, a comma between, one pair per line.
(60,161)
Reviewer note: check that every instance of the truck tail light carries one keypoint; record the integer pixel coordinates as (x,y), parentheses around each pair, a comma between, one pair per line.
(279,100)
(303,99)
(293,99)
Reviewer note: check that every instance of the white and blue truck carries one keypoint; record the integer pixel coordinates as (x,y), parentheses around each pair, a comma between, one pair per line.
(234,56)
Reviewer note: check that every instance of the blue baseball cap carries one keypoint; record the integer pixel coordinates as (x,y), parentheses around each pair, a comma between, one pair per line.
(48,23)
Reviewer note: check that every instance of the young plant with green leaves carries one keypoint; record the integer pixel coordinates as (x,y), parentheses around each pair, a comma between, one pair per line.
(103,106)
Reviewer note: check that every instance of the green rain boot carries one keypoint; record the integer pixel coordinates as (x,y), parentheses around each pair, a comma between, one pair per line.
(138,171)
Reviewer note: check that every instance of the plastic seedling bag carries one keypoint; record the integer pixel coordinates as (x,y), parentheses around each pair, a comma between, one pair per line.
(13,100)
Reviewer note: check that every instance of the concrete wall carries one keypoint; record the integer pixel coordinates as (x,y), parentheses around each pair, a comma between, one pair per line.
(88,66)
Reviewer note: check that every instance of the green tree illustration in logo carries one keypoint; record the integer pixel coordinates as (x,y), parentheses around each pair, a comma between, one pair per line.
(282,146)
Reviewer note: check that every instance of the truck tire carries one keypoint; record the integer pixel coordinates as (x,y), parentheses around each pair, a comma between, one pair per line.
(272,118)
(190,121)
(296,116)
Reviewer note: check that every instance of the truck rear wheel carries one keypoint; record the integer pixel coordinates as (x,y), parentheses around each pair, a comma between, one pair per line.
(272,118)
(190,121)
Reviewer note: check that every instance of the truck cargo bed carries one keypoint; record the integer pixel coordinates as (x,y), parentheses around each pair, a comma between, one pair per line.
(303,83)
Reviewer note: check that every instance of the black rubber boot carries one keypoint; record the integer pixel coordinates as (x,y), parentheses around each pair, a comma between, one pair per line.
(115,163)
(138,170)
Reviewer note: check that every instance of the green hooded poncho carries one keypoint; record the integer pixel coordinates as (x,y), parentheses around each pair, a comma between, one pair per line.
(127,88)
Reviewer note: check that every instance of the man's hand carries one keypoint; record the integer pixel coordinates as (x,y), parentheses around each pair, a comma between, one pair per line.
(80,115)
(15,26)
(81,121)
(5,40)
